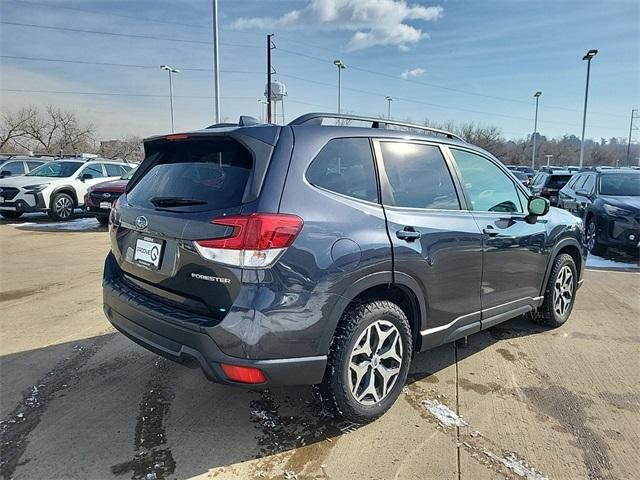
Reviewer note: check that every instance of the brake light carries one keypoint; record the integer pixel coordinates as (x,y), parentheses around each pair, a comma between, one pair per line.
(177,136)
(240,374)
(257,240)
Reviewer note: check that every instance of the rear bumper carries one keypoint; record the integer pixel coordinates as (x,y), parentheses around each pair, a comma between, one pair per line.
(159,332)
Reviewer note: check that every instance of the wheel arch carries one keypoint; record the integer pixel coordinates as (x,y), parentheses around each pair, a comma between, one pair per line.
(69,190)
(404,292)
(570,246)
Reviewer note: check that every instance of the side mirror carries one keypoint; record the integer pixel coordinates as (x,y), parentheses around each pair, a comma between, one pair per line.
(538,206)
(5,173)
(86,176)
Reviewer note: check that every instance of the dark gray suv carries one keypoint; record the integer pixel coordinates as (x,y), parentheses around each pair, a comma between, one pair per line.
(329,254)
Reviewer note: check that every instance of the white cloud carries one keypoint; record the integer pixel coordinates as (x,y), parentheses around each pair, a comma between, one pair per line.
(414,72)
(375,22)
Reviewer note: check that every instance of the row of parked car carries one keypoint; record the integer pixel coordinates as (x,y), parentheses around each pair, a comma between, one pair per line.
(607,199)
(60,186)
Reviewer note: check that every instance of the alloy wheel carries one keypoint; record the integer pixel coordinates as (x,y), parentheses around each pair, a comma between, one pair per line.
(563,291)
(375,362)
(591,235)
(64,207)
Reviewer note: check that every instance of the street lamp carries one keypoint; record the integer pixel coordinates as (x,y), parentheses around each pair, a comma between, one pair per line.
(171,70)
(341,66)
(262,105)
(535,132)
(389,100)
(549,156)
(590,54)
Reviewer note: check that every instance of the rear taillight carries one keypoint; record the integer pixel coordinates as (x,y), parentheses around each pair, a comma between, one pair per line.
(257,240)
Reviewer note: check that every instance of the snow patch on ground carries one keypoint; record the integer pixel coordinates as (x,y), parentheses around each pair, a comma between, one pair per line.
(443,413)
(517,466)
(77,225)
(594,261)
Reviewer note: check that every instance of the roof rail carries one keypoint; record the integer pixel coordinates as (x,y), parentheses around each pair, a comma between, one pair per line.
(316,119)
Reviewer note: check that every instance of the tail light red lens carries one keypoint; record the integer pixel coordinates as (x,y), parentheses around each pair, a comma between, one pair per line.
(257,239)
(240,374)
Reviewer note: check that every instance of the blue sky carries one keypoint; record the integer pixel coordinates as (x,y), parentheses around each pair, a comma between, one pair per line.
(462,60)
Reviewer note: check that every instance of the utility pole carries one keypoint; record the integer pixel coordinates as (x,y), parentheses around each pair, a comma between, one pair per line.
(269,47)
(590,54)
(633,115)
(535,132)
(216,65)
(389,100)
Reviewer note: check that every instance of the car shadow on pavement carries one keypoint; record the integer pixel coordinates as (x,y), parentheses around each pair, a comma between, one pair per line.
(165,419)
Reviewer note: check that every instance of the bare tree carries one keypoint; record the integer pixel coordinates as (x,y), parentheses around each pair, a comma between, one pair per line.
(127,148)
(13,126)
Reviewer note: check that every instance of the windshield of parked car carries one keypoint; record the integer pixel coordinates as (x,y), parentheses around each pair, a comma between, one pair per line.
(620,184)
(56,169)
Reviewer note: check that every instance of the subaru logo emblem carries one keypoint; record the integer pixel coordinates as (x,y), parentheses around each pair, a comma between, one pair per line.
(141,222)
(106,195)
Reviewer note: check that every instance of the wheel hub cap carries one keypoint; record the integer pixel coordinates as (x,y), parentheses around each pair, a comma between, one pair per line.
(376,360)
(563,291)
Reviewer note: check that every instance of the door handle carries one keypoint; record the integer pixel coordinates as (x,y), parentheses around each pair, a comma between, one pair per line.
(408,234)
(490,231)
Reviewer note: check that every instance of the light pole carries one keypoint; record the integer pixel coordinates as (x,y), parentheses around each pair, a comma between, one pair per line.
(535,131)
(389,100)
(262,105)
(548,155)
(590,54)
(171,70)
(216,64)
(633,115)
(341,66)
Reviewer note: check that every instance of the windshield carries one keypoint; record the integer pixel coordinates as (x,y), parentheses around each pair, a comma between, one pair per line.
(620,185)
(55,169)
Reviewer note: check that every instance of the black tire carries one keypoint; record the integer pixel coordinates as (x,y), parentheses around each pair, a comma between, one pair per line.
(10,215)
(61,208)
(104,220)
(335,389)
(548,314)
(593,245)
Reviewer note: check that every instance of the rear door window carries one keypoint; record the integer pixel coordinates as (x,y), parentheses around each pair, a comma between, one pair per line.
(418,177)
(95,170)
(589,184)
(113,170)
(193,175)
(33,165)
(345,166)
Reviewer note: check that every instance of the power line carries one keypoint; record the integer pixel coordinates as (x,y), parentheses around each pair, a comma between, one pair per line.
(116,94)
(127,35)
(126,65)
(95,12)
(432,85)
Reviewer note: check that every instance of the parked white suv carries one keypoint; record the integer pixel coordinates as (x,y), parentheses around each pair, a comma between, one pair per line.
(56,187)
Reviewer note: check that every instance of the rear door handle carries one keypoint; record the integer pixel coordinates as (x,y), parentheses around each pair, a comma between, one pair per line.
(408,234)
(490,231)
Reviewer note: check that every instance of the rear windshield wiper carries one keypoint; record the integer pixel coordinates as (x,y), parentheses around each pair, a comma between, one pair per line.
(176,202)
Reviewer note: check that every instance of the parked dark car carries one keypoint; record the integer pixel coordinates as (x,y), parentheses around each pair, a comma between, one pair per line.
(314,254)
(548,184)
(609,202)
(100,198)
(528,171)
(523,177)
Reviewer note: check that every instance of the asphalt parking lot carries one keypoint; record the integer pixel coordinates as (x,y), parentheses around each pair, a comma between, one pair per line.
(79,400)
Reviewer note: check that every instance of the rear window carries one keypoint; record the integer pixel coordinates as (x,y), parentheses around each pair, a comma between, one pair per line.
(194,175)
(558,181)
